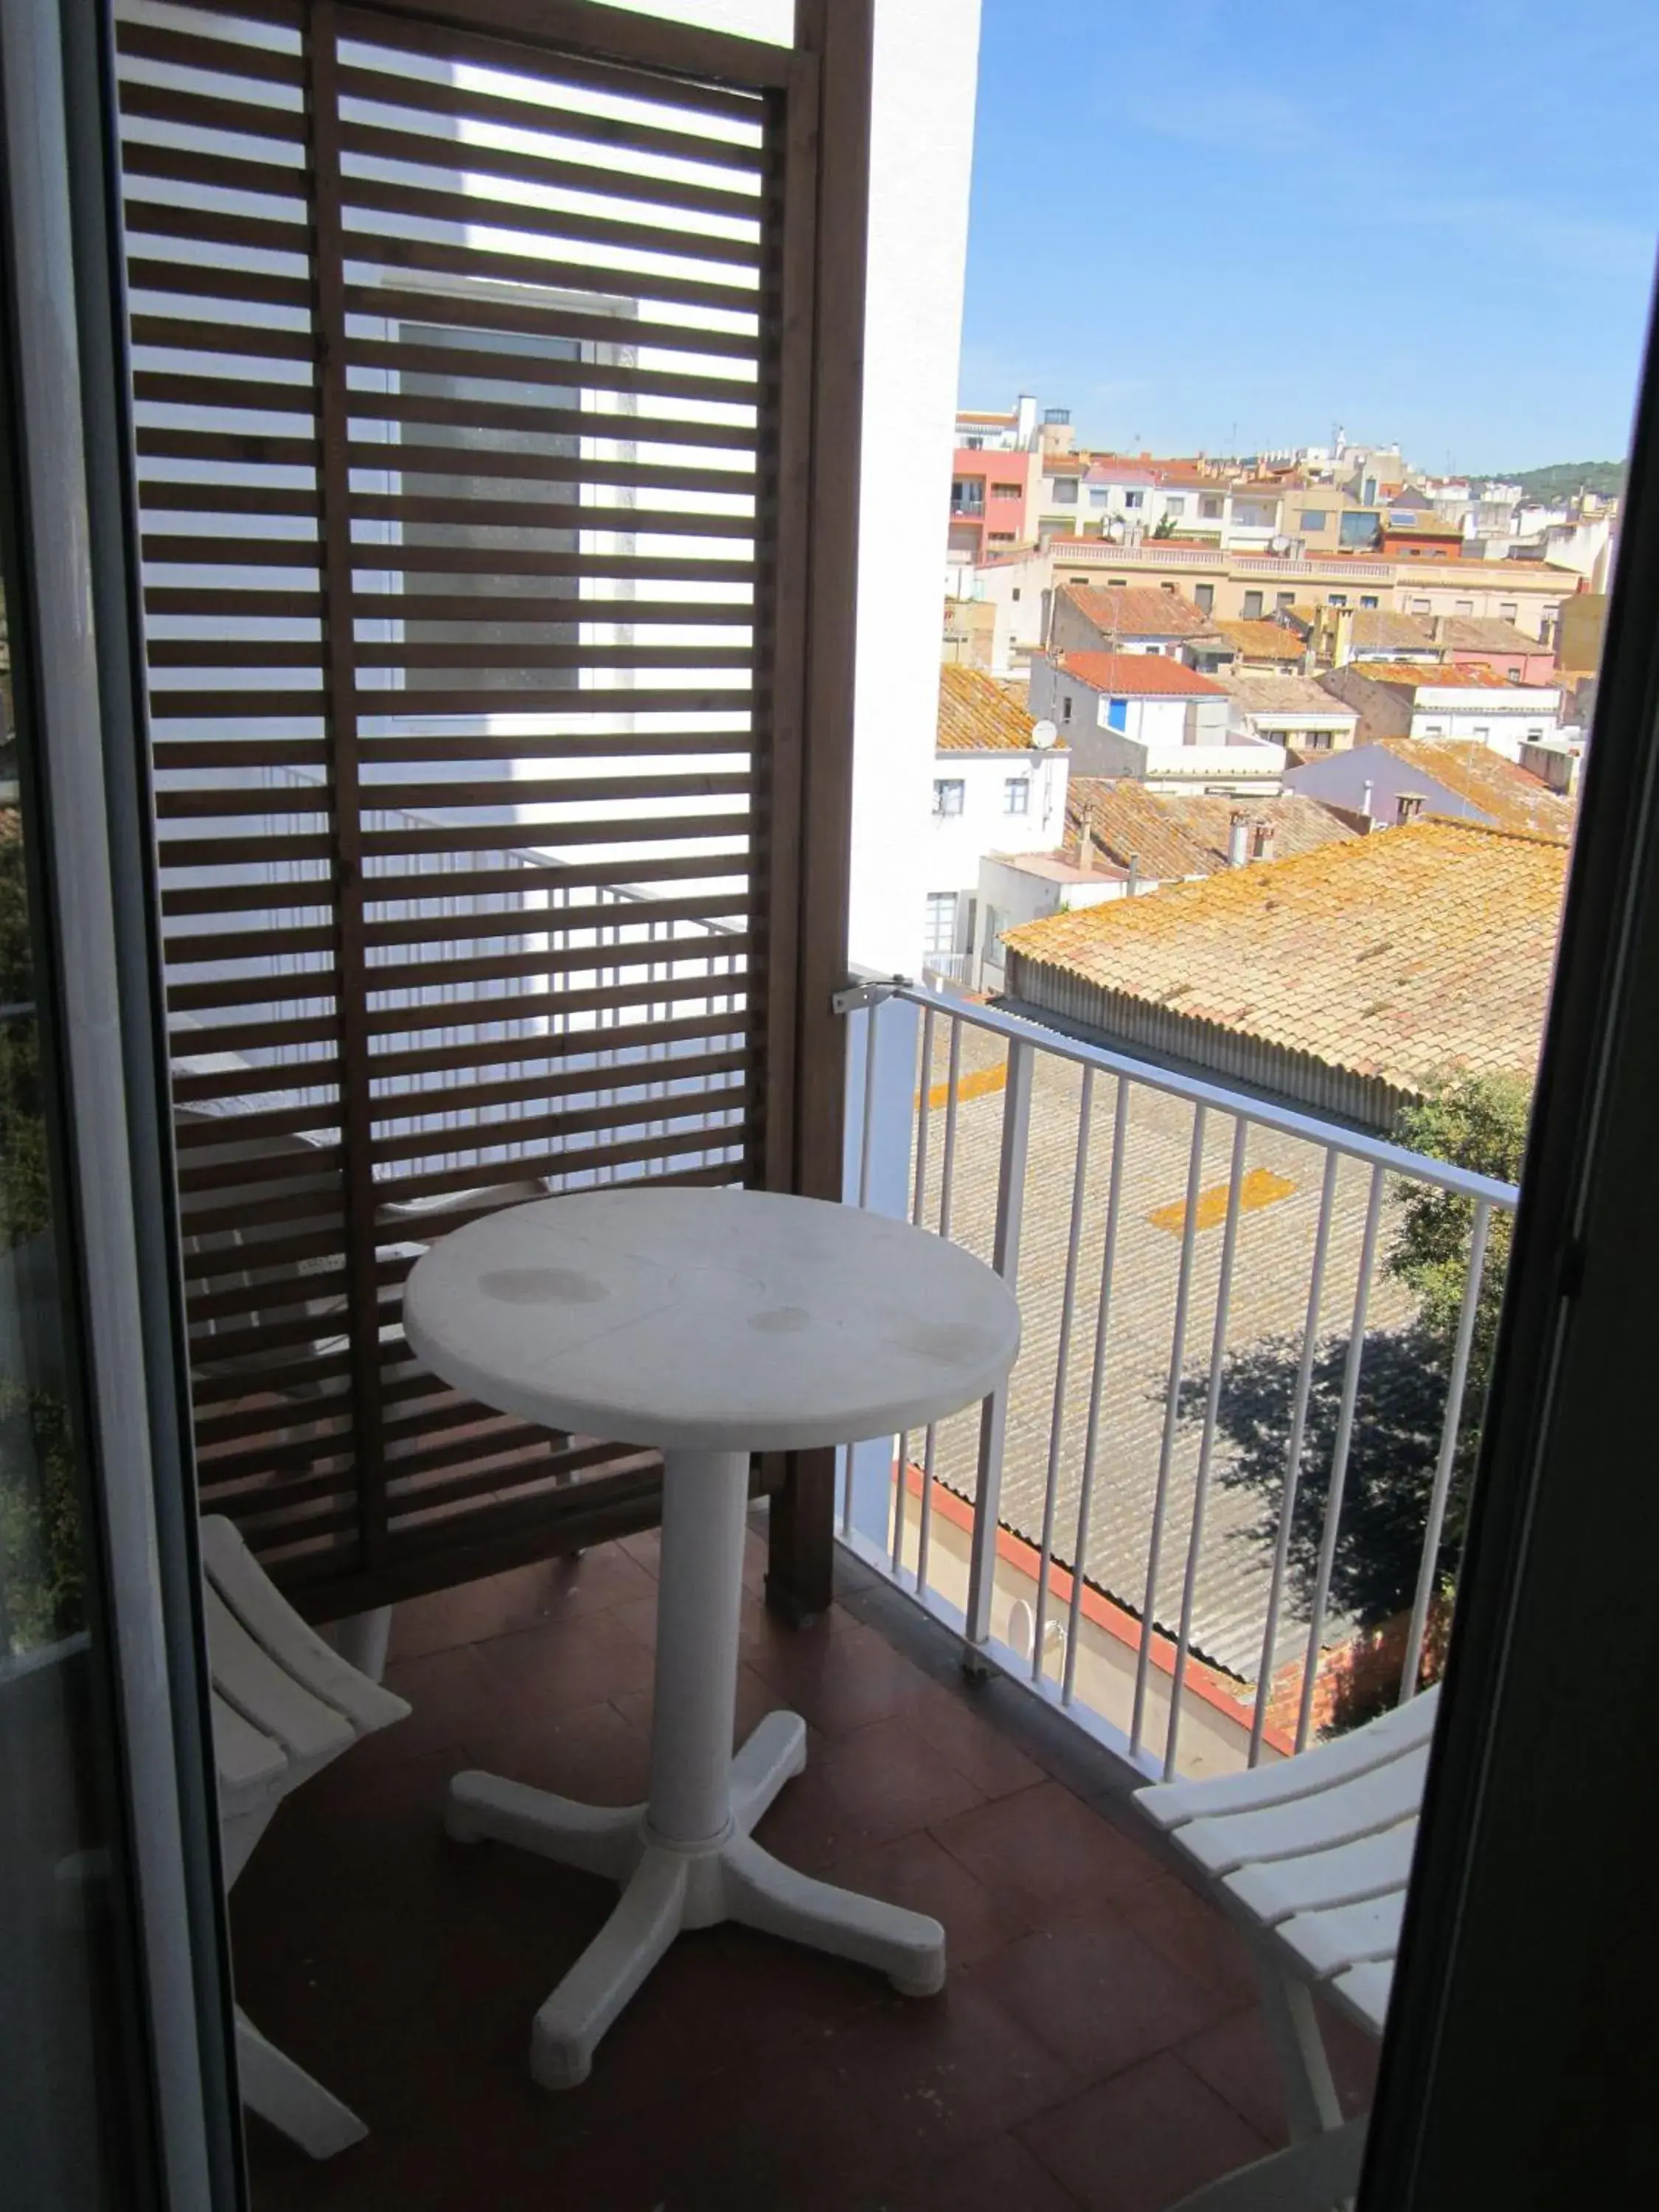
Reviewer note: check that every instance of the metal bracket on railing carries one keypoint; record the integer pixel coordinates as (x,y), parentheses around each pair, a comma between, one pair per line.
(875,992)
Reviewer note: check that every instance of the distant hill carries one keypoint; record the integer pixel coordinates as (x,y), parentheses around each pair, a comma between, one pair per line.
(1561,479)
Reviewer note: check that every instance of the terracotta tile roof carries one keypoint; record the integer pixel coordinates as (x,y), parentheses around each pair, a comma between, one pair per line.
(1139,676)
(976,715)
(1065,464)
(1380,630)
(1136,611)
(1400,956)
(1178,834)
(1486,634)
(1511,797)
(1283,695)
(1441,675)
(1263,640)
(1102,470)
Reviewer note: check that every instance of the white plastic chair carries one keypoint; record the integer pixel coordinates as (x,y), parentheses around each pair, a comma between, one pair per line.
(1311,1857)
(284,1705)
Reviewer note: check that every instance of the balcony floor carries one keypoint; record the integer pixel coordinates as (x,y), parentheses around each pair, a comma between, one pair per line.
(1097,2043)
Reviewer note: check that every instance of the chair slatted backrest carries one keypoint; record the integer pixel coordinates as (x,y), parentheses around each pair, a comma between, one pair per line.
(464,372)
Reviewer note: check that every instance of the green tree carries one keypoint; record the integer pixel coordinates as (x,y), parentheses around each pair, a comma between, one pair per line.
(1478,1122)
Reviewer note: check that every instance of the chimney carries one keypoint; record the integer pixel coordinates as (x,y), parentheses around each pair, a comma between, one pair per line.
(1262,842)
(1365,798)
(1085,840)
(1238,840)
(1134,885)
(1410,805)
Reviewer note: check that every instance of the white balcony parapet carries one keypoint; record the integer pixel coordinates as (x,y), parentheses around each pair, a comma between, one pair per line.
(910,1150)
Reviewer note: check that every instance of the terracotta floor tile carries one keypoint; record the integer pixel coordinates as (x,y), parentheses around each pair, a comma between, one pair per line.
(931,2077)
(859,1790)
(917,1872)
(565,1662)
(1046,1848)
(1097,1995)
(838,1679)
(406,1969)
(1197,1936)
(1236,2057)
(973,1743)
(446,1617)
(1143,2140)
(1000,2176)
(590,1751)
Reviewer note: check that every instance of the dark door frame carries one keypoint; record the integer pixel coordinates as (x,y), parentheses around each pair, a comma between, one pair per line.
(1519,2062)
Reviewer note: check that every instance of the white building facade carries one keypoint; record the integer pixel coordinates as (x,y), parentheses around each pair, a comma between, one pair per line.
(1005,799)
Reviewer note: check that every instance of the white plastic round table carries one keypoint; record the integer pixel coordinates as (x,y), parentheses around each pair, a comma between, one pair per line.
(711,1324)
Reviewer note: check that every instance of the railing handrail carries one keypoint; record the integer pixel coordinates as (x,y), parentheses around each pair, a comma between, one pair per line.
(1227,1098)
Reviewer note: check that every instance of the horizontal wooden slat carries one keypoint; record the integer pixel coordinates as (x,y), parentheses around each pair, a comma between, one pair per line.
(278,396)
(428,200)
(636,829)
(203,1041)
(383,702)
(553,317)
(471,103)
(506,1052)
(195,753)
(585,1159)
(403,652)
(385,140)
(256,449)
(223,57)
(554,1127)
(376,249)
(180,549)
(629,46)
(214,280)
(457,928)
(483,1098)
(485,363)
(553,744)
(472,975)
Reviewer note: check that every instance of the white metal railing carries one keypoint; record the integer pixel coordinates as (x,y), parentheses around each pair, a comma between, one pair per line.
(1038,1154)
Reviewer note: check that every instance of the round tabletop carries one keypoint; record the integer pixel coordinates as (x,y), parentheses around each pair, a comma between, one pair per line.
(710,1320)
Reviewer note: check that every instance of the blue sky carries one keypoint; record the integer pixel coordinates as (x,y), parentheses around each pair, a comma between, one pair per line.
(1428,219)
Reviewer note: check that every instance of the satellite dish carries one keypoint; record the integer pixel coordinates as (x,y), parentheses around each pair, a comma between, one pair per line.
(1043,734)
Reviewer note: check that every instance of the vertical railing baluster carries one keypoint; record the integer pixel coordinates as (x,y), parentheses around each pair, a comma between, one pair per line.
(993,1415)
(1340,1459)
(1223,1292)
(1062,1361)
(1172,1416)
(921,1184)
(1443,1465)
(1097,1383)
(1293,1455)
(867,1124)
(947,1191)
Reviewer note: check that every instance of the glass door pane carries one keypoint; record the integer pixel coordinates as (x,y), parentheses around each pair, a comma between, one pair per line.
(71,2084)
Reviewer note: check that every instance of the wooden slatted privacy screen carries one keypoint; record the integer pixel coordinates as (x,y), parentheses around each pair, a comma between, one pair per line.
(459,384)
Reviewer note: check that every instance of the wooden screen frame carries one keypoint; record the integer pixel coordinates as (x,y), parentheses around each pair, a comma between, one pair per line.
(816,99)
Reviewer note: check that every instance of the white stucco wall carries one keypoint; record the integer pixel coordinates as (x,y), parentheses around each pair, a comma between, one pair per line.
(957,843)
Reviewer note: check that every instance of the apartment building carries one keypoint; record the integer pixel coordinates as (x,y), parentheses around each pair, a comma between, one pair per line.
(999,785)
(1143,715)
(1404,699)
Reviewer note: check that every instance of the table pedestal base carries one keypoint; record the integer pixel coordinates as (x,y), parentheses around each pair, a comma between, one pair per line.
(668,1886)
